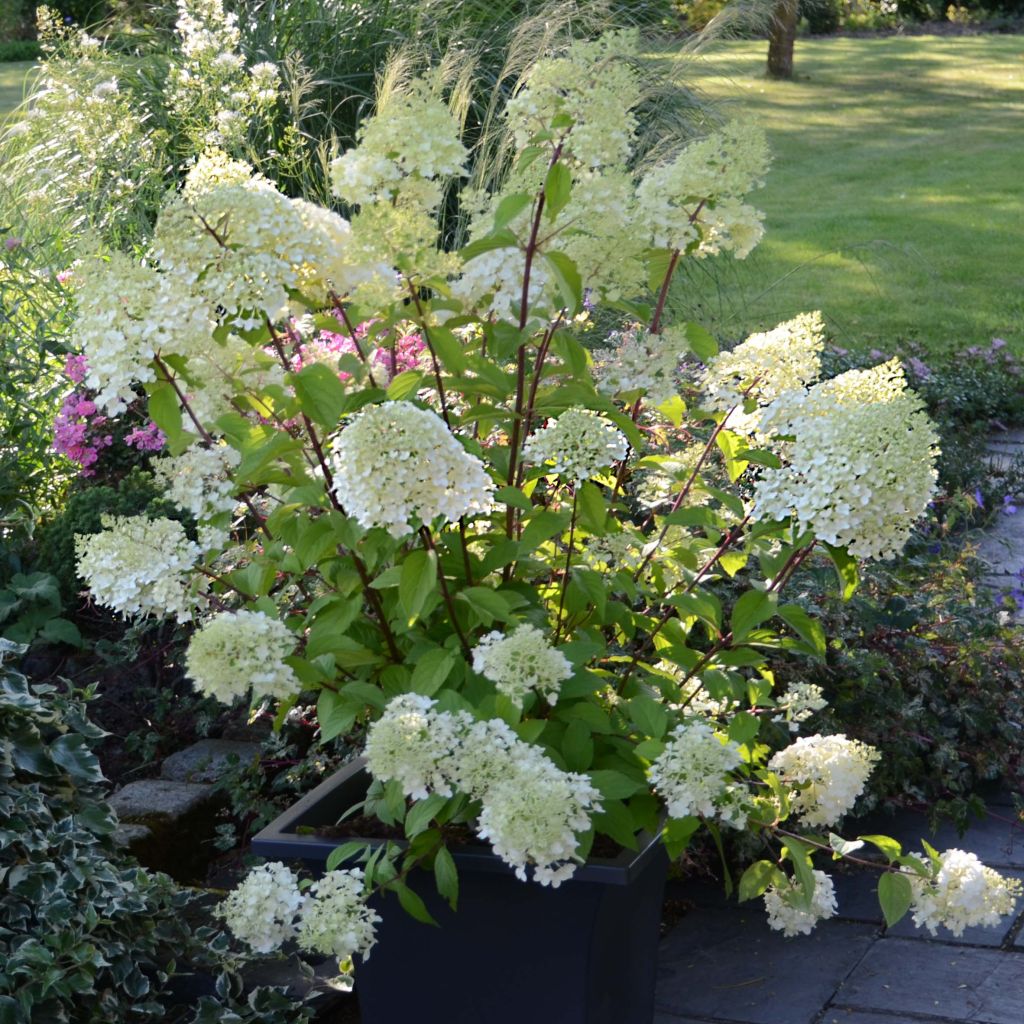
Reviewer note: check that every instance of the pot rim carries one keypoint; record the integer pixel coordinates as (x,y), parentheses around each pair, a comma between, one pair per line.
(281,840)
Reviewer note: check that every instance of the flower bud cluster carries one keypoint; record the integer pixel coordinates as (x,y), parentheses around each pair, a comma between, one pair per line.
(579,444)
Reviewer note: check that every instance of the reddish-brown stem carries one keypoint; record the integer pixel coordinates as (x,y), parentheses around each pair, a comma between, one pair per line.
(568,567)
(433,355)
(538,367)
(428,543)
(659,309)
(343,313)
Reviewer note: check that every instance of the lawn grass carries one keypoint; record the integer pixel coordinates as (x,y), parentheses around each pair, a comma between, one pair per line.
(12,85)
(896,200)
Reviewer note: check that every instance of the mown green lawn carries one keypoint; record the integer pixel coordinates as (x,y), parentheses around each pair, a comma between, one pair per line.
(12,85)
(896,200)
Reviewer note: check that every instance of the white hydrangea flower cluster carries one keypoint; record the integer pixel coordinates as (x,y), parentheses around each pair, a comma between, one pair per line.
(692,772)
(533,814)
(860,469)
(267,909)
(211,90)
(520,662)
(334,919)
(696,200)
(239,244)
(261,909)
(596,87)
(396,463)
(414,745)
(494,281)
(787,916)
(236,651)
(636,360)
(139,567)
(623,550)
(798,703)
(410,141)
(531,811)
(766,365)
(579,444)
(199,479)
(963,894)
(831,772)
(127,312)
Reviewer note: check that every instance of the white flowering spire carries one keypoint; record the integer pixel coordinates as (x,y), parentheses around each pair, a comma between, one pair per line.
(579,444)
(410,142)
(766,365)
(830,771)
(860,470)
(636,360)
(696,200)
(139,567)
(261,910)
(335,920)
(396,464)
(520,662)
(692,772)
(786,913)
(533,813)
(963,894)
(238,650)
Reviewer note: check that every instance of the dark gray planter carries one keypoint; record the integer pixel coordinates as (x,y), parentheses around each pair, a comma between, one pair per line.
(514,952)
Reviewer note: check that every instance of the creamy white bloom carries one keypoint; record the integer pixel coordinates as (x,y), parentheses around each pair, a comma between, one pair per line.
(579,444)
(831,771)
(636,360)
(236,651)
(483,756)
(493,280)
(415,745)
(396,464)
(595,86)
(261,910)
(692,772)
(798,703)
(964,893)
(860,469)
(786,916)
(766,365)
(694,202)
(334,918)
(199,479)
(522,661)
(139,566)
(411,139)
(533,814)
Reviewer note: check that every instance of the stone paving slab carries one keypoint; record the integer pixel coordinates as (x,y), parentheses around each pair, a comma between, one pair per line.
(841,1015)
(159,799)
(946,983)
(726,964)
(206,760)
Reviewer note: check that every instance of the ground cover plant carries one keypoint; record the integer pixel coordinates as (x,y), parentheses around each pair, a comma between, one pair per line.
(490,551)
(895,180)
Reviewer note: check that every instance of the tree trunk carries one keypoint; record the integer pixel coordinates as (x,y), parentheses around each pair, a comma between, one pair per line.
(781,36)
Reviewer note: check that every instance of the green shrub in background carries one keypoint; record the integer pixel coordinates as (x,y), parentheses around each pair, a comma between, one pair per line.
(19,50)
(86,935)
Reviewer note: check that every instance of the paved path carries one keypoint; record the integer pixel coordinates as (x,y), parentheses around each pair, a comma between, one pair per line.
(1003,545)
(723,965)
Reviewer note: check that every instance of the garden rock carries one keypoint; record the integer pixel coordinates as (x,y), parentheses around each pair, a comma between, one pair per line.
(206,761)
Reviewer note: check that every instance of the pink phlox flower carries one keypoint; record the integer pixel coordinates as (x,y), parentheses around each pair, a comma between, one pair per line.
(149,438)
(76,367)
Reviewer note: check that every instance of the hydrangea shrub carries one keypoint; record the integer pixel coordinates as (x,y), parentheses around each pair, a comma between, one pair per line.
(493,552)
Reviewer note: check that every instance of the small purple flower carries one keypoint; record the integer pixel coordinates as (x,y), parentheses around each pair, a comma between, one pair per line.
(10,244)
(1009,505)
(919,369)
(934,549)
(977,497)
(877,354)
(998,343)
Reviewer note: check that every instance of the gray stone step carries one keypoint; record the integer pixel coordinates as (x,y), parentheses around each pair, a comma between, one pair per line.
(206,760)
